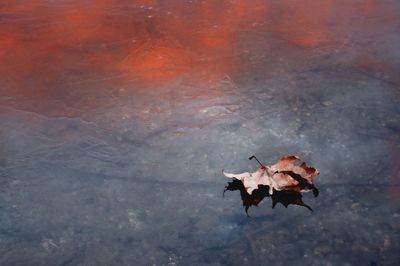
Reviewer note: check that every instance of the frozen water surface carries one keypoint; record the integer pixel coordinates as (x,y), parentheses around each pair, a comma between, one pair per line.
(117,117)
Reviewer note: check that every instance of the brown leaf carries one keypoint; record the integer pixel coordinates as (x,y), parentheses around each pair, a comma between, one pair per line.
(283,182)
(286,175)
(251,180)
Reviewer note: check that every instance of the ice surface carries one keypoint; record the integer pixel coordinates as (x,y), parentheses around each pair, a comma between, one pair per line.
(117,117)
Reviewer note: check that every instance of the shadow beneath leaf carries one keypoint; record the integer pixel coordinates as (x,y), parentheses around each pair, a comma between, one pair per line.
(285,197)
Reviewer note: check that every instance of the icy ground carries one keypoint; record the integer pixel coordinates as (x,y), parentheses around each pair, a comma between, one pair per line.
(128,171)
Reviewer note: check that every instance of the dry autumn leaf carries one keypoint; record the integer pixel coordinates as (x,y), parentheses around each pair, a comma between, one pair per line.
(283,182)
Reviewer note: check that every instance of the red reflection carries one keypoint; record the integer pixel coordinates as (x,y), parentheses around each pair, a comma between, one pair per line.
(156,61)
(305,23)
(47,45)
(51,48)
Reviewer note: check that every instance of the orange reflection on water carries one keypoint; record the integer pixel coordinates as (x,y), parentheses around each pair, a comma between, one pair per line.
(304,23)
(47,46)
(156,61)
(178,43)
(52,43)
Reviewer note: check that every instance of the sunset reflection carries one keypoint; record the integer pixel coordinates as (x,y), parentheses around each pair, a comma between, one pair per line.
(49,47)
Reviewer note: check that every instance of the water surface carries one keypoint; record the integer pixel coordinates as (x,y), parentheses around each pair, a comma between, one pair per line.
(116,118)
